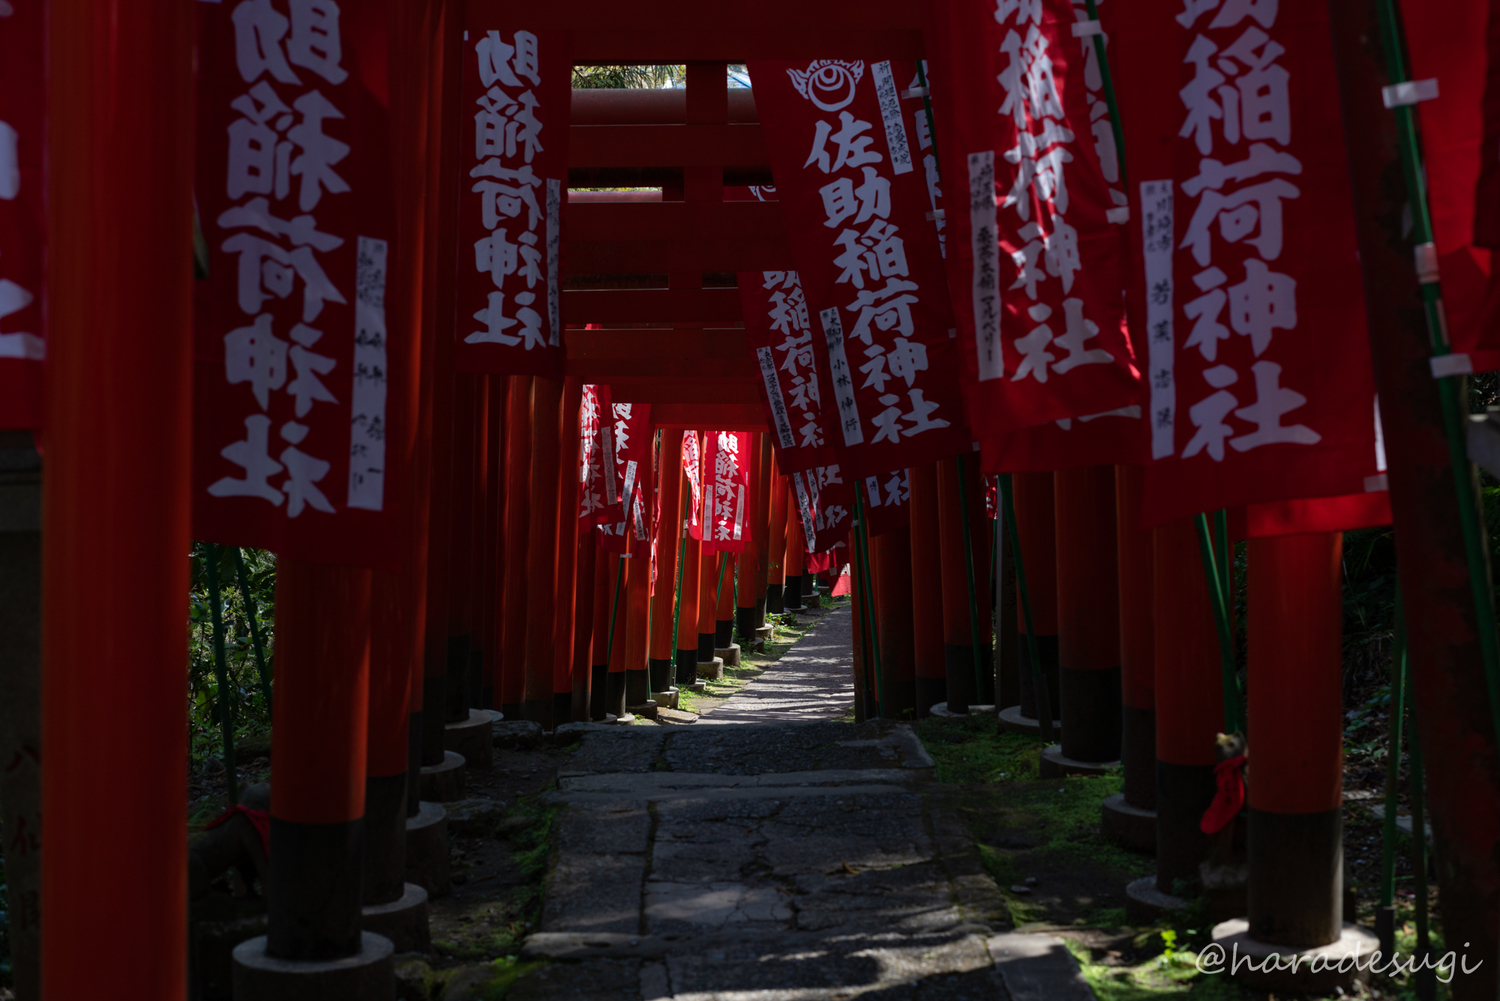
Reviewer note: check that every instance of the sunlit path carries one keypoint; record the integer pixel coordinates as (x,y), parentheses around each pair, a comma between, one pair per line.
(813,681)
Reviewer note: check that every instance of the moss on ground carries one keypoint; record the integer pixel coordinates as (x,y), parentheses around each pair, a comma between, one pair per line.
(1048,831)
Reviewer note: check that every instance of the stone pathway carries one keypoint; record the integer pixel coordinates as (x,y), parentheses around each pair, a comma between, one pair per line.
(812,681)
(779,861)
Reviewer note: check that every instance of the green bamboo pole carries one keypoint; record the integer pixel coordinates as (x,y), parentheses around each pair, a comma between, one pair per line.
(221,671)
(1233,717)
(1385,917)
(1425,981)
(862,554)
(1225,567)
(963,510)
(1109,91)
(614,612)
(1039,676)
(256,643)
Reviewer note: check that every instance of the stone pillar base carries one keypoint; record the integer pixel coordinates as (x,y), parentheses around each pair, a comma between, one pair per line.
(1131,826)
(370,974)
(1054,764)
(812,601)
(1145,904)
(1327,969)
(646,709)
(730,654)
(1011,719)
(667,699)
(445,783)
(472,738)
(699,686)
(427,850)
(403,921)
(711,670)
(763,633)
(941,709)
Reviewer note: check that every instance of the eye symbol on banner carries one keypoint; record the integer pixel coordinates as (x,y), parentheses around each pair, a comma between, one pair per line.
(828,78)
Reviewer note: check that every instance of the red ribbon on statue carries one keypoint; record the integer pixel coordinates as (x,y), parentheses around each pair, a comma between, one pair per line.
(1036,254)
(517,88)
(1230,799)
(23,222)
(1247,249)
(297,377)
(626,471)
(856,209)
(724,522)
(259,819)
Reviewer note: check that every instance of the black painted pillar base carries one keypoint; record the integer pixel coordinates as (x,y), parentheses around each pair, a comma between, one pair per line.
(661,674)
(637,686)
(760,613)
(705,647)
(1296,886)
(413,764)
(1047,650)
(744,624)
(562,708)
(791,594)
(900,700)
(1138,747)
(457,704)
(930,691)
(597,693)
(385,838)
(687,667)
(614,693)
(723,633)
(1090,714)
(512,710)
(539,711)
(773,598)
(486,697)
(313,896)
(474,684)
(1183,792)
(958,661)
(434,717)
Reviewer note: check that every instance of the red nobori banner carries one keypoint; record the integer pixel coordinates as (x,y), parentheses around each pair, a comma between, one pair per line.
(22,217)
(692,468)
(825,503)
(1037,260)
(1111,438)
(595,403)
(778,330)
(886,501)
(518,87)
(1260,386)
(856,209)
(724,525)
(292,401)
(1458,151)
(625,447)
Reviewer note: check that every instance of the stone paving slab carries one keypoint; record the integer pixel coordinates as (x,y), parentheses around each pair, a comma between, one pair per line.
(785,861)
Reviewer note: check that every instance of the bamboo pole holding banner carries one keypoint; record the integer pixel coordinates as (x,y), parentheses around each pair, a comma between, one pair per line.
(862,540)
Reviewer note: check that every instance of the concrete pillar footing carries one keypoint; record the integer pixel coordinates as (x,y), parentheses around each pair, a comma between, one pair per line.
(812,601)
(403,921)
(369,974)
(710,670)
(1145,904)
(700,686)
(496,716)
(730,654)
(764,632)
(1054,764)
(444,783)
(473,738)
(427,850)
(1325,969)
(1011,719)
(941,709)
(646,709)
(1131,826)
(667,699)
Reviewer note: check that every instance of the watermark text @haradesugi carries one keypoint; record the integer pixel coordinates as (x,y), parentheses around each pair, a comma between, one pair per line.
(1214,958)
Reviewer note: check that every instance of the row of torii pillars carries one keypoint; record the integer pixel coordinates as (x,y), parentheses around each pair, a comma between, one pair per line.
(118,452)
